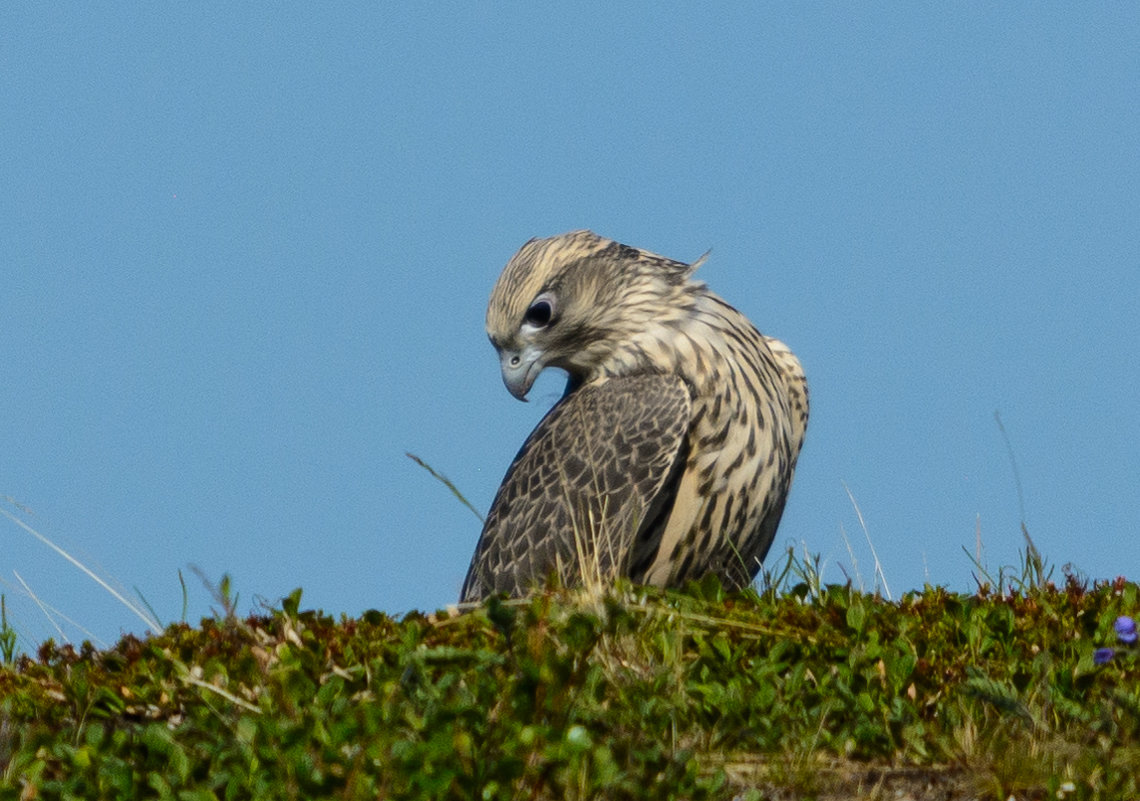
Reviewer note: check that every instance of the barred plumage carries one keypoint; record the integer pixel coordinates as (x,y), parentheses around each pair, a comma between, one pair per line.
(671,453)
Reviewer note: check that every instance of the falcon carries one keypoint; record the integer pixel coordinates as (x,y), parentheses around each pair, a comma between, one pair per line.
(670,455)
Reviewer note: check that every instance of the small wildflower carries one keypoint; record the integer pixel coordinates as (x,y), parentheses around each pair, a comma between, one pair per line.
(1126,629)
(1102,656)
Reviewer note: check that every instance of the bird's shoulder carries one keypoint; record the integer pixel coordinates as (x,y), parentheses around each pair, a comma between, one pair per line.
(634,423)
(601,457)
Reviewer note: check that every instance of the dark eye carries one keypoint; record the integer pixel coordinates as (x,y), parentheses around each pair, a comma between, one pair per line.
(539,314)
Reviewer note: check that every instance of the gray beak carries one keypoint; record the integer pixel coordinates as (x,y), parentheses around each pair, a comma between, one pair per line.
(520,368)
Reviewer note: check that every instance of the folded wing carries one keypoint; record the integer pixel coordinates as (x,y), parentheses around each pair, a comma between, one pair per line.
(591,486)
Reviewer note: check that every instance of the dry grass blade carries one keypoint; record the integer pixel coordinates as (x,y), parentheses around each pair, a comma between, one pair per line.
(151,623)
(447,483)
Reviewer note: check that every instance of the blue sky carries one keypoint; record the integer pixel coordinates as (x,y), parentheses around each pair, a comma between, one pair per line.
(246,250)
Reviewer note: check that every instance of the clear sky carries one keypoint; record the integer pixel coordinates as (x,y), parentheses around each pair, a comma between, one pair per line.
(245,253)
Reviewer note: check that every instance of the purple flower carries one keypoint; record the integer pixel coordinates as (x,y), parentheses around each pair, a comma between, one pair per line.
(1102,656)
(1125,629)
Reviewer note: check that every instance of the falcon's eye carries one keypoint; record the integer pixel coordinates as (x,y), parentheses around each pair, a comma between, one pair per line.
(540,313)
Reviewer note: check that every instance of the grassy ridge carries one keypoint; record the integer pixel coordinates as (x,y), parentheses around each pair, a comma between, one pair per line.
(820,692)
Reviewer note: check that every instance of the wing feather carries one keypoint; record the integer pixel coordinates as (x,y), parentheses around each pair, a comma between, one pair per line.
(592,482)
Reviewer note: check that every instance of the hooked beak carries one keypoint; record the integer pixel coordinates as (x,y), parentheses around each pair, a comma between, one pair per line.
(520,368)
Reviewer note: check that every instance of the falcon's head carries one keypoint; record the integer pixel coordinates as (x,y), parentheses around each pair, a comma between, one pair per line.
(571,300)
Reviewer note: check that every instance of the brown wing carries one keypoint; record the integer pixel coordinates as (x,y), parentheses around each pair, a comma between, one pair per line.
(592,478)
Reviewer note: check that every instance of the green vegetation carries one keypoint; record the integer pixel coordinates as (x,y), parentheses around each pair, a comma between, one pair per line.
(808,691)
